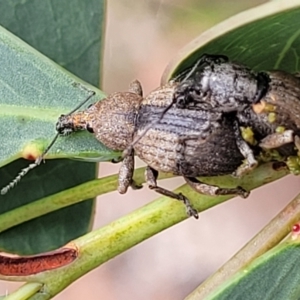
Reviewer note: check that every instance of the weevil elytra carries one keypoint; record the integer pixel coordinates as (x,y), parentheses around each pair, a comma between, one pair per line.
(267,102)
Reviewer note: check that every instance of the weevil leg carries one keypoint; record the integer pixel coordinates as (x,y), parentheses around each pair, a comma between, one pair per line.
(151,178)
(263,81)
(250,162)
(126,174)
(116,160)
(297,74)
(212,190)
(276,140)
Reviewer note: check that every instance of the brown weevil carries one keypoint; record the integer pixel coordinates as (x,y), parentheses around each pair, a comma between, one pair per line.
(183,142)
(188,143)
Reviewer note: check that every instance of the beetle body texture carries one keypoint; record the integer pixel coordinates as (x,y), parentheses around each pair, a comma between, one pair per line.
(112,120)
(220,85)
(276,113)
(184,142)
(168,139)
(266,102)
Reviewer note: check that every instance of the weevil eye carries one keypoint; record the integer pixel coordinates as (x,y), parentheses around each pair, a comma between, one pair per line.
(180,101)
(89,128)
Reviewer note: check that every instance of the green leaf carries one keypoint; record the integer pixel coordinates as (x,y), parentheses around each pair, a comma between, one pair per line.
(69,33)
(34,92)
(264,38)
(52,230)
(273,276)
(270,236)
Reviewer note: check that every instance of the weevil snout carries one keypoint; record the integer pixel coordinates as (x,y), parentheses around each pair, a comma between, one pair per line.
(81,120)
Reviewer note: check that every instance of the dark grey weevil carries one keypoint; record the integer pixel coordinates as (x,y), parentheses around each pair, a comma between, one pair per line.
(219,84)
(268,102)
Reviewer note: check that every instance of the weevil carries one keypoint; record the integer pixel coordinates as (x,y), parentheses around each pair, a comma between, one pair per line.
(188,143)
(183,142)
(266,102)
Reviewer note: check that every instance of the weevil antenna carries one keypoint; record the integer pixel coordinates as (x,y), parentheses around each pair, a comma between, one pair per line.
(39,159)
(92,93)
(205,58)
(189,74)
(24,171)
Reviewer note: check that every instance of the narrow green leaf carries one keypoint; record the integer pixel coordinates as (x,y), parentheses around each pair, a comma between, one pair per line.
(34,92)
(266,37)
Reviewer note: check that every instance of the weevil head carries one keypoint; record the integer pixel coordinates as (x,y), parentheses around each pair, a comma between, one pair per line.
(114,119)
(64,126)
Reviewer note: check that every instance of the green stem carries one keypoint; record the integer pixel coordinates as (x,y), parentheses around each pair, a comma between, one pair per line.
(65,198)
(105,243)
(25,291)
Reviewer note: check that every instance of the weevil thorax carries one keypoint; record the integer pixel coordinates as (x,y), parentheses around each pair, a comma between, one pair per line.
(230,85)
(113,119)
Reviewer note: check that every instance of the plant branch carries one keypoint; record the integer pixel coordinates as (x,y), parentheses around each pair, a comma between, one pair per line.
(25,291)
(88,190)
(105,243)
